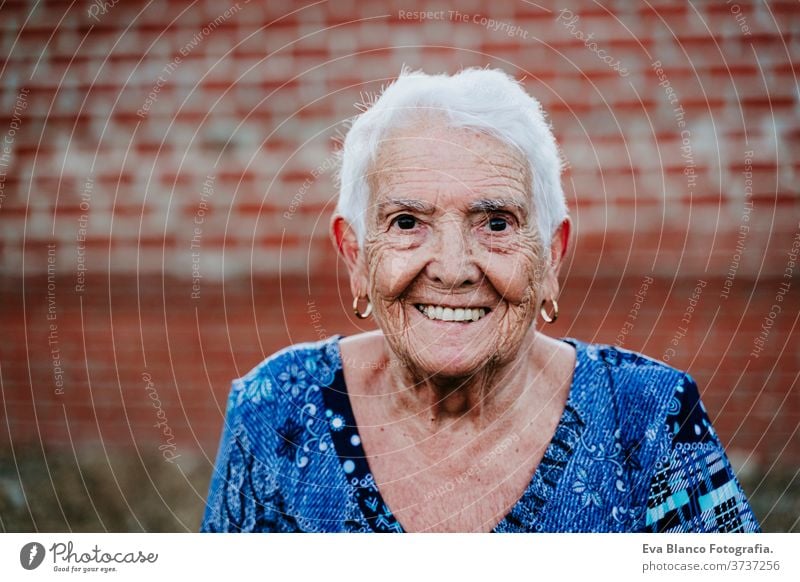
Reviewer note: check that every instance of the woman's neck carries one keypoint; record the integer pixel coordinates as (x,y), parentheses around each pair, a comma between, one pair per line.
(478,399)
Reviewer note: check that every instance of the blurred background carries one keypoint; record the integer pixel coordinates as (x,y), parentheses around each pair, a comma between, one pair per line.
(166,181)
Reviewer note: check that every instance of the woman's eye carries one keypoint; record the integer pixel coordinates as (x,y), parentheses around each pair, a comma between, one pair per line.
(405,221)
(497,224)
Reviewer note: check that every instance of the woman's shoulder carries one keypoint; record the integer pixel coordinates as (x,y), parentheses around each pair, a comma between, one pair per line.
(638,385)
(626,364)
(286,377)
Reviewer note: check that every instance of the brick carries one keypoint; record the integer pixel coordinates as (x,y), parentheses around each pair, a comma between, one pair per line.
(255,105)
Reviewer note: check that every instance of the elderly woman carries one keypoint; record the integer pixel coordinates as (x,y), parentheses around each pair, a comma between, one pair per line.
(458,414)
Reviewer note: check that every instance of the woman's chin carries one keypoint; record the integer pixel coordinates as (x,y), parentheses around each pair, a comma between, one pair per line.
(448,349)
(449,359)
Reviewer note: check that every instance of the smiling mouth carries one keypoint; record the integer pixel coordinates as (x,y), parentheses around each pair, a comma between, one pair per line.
(456,314)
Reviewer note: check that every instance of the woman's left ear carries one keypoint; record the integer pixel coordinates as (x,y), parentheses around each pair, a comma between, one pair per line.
(560,244)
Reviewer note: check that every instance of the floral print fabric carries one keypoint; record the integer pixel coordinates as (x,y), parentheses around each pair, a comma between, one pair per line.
(633,451)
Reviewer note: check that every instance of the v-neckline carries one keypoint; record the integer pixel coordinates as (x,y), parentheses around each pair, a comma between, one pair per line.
(353,460)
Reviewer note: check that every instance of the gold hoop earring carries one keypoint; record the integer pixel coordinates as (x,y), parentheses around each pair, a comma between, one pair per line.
(549,318)
(366,313)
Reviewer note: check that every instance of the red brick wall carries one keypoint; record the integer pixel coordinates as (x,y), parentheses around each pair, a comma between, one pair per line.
(113,117)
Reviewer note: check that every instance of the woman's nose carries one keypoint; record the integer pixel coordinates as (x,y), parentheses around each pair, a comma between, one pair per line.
(452,264)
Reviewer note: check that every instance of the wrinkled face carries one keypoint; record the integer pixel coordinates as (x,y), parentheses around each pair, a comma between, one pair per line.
(454,261)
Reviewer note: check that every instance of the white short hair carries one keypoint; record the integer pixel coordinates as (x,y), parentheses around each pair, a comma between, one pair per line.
(487,100)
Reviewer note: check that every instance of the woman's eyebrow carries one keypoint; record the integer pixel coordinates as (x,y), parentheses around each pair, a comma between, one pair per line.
(495,204)
(404,204)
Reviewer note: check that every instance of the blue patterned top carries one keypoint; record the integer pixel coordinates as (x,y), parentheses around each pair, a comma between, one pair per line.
(633,451)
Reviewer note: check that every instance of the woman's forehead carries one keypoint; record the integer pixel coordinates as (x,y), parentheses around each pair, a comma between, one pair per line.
(418,162)
(432,145)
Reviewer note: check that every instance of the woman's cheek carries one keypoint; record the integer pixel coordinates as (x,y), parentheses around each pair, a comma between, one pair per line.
(514,265)
(391,271)
(515,279)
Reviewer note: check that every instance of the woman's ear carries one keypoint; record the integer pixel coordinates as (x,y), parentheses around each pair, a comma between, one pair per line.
(344,239)
(346,242)
(560,244)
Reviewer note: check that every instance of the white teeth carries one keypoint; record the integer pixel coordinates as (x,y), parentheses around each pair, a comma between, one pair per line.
(452,314)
